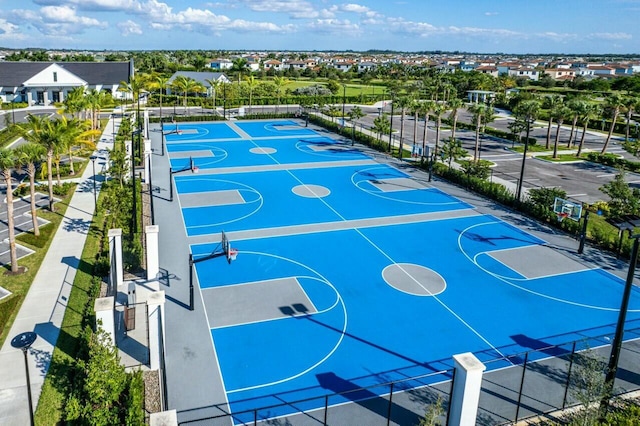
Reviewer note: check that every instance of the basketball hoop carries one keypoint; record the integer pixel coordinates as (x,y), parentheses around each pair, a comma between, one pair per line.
(195,169)
(562,216)
(179,132)
(233,253)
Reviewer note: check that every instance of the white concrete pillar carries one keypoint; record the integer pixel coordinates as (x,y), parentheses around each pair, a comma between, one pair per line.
(466,390)
(115,258)
(30,97)
(153,261)
(105,316)
(155,309)
(147,160)
(164,418)
(45,98)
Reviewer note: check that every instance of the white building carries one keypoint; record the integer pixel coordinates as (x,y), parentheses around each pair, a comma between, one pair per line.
(45,83)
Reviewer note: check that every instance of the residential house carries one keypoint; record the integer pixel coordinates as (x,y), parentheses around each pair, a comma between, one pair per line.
(273,64)
(221,64)
(530,73)
(602,70)
(203,78)
(561,73)
(45,83)
(488,69)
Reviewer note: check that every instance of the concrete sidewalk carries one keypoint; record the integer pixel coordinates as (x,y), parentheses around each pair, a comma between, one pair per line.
(44,305)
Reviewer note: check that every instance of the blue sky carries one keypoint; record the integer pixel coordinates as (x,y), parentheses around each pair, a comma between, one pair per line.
(488,26)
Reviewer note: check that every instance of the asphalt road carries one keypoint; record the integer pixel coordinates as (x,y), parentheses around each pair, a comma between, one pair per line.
(581,181)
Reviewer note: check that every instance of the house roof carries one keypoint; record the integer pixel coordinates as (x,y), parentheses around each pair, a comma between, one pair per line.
(200,77)
(13,74)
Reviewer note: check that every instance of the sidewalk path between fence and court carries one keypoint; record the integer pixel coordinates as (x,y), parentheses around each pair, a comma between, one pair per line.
(44,305)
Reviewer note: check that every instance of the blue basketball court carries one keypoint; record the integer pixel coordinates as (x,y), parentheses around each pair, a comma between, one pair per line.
(351,272)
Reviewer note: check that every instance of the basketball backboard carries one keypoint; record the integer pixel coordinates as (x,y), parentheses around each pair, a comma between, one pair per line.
(567,209)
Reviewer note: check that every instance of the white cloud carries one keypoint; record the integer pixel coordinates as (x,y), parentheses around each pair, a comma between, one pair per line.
(94,5)
(297,9)
(56,21)
(611,36)
(334,26)
(129,27)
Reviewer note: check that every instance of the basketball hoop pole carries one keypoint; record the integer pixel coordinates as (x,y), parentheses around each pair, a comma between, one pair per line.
(191,282)
(583,233)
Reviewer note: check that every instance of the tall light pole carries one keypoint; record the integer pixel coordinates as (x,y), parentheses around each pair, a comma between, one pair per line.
(390,125)
(23,341)
(344,99)
(95,194)
(616,345)
(524,157)
(134,213)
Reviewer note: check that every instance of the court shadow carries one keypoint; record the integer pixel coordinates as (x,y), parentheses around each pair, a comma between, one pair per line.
(367,399)
(539,346)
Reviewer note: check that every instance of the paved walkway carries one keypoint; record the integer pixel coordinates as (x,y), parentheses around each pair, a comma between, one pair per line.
(43,308)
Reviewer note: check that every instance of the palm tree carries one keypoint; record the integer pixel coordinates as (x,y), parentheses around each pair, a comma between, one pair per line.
(186,85)
(632,104)
(425,109)
(588,112)
(482,114)
(280,82)
(239,65)
(527,111)
(136,86)
(215,85)
(381,125)
(454,105)
(559,113)
(75,101)
(438,110)
(159,82)
(7,163)
(415,108)
(614,103)
(251,83)
(28,155)
(551,102)
(403,102)
(575,106)
(354,114)
(48,134)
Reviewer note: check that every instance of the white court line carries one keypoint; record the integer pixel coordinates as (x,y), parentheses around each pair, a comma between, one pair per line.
(435,297)
(474,261)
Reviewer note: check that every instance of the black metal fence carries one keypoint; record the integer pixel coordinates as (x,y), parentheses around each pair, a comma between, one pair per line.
(515,388)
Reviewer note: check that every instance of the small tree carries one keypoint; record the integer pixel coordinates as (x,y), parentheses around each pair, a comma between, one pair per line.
(433,413)
(588,387)
(452,150)
(354,114)
(624,199)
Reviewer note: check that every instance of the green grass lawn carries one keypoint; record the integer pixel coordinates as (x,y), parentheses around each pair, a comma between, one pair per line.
(57,382)
(19,284)
(561,158)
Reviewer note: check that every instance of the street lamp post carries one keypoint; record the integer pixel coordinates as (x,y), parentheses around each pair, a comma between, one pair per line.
(23,341)
(524,158)
(134,213)
(390,126)
(95,194)
(616,345)
(344,100)
(13,113)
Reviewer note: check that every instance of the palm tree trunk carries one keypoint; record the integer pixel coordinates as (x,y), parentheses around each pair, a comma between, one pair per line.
(438,124)
(424,136)
(12,232)
(628,119)
(58,172)
(31,171)
(573,128)
(613,125)
(555,143)
(415,131)
(584,132)
(71,170)
(401,148)
(455,125)
(50,178)
(549,132)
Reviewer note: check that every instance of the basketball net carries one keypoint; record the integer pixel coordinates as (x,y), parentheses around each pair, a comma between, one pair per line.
(562,216)
(233,253)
